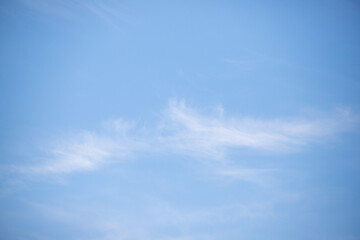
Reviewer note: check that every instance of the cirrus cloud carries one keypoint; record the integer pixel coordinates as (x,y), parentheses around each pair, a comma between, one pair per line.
(183,130)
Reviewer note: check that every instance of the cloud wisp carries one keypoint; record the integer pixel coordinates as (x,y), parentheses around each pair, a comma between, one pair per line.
(185,131)
(110,12)
(87,151)
(253,175)
(212,136)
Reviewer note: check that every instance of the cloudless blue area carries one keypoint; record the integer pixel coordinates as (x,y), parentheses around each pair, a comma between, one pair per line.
(67,68)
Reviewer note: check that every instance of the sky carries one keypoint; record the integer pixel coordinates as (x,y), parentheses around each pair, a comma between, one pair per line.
(179,120)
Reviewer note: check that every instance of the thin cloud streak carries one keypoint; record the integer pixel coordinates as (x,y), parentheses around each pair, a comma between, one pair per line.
(252,175)
(211,136)
(86,154)
(90,150)
(186,132)
(64,9)
(111,12)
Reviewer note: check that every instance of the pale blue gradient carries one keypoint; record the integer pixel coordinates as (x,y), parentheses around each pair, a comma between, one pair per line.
(70,170)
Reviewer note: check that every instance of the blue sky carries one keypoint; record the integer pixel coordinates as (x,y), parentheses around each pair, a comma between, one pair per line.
(179,120)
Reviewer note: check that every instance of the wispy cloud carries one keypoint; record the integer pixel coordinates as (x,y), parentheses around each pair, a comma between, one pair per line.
(211,136)
(254,175)
(183,130)
(64,9)
(85,153)
(111,12)
(89,150)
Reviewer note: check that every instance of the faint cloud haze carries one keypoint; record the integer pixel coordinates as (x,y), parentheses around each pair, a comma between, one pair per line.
(211,136)
(183,130)
(111,12)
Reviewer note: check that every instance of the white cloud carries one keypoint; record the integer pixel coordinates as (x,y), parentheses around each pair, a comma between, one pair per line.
(85,153)
(90,150)
(64,9)
(111,12)
(253,175)
(188,131)
(184,130)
